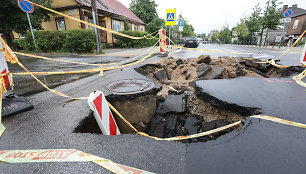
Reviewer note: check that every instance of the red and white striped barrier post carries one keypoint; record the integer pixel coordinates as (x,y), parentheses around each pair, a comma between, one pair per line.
(103,114)
(4,72)
(303,58)
(162,41)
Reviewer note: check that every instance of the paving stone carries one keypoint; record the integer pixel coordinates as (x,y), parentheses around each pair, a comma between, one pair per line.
(191,126)
(173,104)
(171,126)
(157,126)
(179,62)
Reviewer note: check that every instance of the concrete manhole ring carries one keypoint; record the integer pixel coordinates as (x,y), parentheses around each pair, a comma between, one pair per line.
(130,86)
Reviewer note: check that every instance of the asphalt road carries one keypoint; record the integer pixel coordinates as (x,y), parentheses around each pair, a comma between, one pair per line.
(259,147)
(289,59)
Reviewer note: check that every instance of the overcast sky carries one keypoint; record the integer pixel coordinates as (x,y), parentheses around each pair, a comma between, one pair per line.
(206,15)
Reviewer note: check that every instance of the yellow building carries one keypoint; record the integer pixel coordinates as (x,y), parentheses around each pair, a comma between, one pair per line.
(110,14)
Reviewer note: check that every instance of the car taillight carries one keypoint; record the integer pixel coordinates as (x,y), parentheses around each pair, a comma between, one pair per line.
(185,41)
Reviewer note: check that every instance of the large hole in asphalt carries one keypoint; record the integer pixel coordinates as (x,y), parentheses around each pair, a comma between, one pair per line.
(171,105)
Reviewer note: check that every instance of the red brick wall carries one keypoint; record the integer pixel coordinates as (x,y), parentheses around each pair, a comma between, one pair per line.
(301,26)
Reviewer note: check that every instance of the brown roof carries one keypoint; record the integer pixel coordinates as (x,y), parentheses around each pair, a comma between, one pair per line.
(115,7)
(119,8)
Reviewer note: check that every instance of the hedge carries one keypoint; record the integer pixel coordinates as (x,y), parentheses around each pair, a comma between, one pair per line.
(124,42)
(79,41)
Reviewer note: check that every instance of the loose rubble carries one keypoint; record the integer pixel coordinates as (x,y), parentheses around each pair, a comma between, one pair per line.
(182,110)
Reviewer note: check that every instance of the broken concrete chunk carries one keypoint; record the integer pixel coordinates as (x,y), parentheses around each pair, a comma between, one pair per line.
(191,126)
(184,72)
(252,64)
(173,104)
(240,71)
(232,74)
(187,76)
(207,126)
(204,59)
(161,75)
(215,73)
(179,62)
(157,126)
(203,70)
(171,126)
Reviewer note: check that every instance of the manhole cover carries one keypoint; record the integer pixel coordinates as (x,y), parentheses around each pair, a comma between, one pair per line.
(130,86)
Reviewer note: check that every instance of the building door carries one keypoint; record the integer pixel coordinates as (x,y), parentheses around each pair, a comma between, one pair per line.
(103,34)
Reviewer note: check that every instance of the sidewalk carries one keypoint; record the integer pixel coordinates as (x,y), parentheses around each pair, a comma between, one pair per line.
(127,51)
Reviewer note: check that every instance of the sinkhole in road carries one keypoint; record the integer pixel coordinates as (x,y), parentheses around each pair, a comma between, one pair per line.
(170,104)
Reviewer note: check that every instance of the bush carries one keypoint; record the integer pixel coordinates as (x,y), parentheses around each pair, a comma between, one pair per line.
(124,42)
(301,43)
(80,41)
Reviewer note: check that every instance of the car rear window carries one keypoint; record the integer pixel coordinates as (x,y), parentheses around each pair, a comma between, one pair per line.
(191,38)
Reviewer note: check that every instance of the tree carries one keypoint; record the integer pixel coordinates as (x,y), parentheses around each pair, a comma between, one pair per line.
(203,35)
(14,19)
(144,9)
(271,18)
(253,23)
(241,30)
(225,36)
(188,29)
(156,24)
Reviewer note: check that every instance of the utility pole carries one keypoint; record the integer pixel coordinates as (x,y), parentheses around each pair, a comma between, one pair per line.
(226,14)
(95,20)
(261,33)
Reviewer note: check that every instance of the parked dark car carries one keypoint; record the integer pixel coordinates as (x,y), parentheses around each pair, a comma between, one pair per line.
(191,42)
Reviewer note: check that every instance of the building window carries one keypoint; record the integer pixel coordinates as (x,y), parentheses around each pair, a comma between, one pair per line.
(60,24)
(116,25)
(295,24)
(136,27)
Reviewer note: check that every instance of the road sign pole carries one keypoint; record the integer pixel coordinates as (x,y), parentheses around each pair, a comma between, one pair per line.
(170,34)
(94,17)
(28,16)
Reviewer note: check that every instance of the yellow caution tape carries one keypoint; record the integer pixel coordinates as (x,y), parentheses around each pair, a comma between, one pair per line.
(2,128)
(81,63)
(279,120)
(301,36)
(64,155)
(46,58)
(101,69)
(96,26)
(8,53)
(299,78)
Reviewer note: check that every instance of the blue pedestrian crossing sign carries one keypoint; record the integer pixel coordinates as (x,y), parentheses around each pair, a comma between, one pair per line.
(170,16)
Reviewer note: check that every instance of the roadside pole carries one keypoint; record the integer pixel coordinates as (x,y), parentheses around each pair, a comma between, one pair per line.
(97,32)
(170,19)
(28,16)
(28,8)
(281,41)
